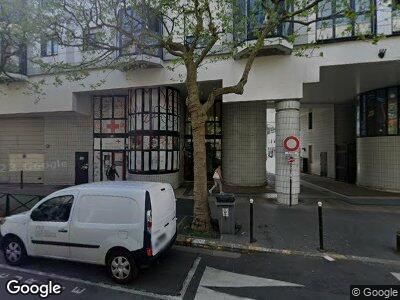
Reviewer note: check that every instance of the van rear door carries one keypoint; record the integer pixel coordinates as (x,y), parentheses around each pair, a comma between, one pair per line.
(163,206)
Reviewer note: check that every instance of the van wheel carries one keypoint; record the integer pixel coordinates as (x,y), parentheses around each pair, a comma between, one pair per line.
(121,267)
(14,251)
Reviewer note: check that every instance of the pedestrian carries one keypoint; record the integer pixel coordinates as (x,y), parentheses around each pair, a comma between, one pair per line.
(111,172)
(217,180)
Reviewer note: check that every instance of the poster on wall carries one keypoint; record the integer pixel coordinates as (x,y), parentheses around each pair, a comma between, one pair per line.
(392,111)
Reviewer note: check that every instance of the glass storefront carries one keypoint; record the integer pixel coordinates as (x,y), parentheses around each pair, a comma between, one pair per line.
(378,112)
(154,131)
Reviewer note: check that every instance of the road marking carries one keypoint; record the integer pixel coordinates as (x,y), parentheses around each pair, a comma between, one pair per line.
(96,284)
(219,278)
(396,275)
(189,276)
(328,258)
(209,294)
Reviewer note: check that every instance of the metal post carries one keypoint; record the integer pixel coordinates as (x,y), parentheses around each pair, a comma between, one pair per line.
(290,184)
(321,228)
(252,239)
(398,241)
(7,205)
(21,183)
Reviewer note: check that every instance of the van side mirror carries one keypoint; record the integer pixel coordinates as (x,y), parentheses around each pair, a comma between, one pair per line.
(36,215)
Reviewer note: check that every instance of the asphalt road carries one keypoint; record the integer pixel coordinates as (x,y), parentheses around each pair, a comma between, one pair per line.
(187,273)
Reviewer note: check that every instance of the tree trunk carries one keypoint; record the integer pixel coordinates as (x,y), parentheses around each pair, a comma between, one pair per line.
(201,212)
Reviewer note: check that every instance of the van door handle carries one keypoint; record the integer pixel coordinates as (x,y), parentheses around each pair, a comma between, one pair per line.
(166,224)
(62,230)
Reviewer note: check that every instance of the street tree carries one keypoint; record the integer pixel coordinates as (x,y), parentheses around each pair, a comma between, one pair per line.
(195,33)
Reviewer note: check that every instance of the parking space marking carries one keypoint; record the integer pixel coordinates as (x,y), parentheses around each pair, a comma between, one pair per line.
(189,276)
(96,284)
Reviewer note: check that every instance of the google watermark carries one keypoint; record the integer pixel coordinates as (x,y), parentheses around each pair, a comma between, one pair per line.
(375,292)
(14,287)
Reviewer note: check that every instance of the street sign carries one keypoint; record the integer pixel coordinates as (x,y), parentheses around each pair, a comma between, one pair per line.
(291,160)
(291,143)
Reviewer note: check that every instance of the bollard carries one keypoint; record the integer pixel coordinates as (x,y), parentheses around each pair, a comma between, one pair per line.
(7,205)
(252,239)
(321,228)
(398,240)
(21,183)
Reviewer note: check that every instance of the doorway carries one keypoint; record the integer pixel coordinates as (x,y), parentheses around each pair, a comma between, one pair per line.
(81,167)
(116,158)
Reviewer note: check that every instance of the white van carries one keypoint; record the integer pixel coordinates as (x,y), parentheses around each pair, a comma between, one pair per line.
(118,224)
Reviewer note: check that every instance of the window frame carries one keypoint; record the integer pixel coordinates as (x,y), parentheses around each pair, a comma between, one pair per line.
(43,47)
(333,19)
(71,198)
(171,132)
(362,110)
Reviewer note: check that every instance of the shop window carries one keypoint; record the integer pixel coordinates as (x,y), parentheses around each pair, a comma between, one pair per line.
(154,131)
(378,112)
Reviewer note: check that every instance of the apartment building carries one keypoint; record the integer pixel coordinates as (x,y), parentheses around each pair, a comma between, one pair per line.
(342,99)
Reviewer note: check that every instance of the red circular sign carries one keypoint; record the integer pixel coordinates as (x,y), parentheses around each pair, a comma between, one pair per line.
(291,143)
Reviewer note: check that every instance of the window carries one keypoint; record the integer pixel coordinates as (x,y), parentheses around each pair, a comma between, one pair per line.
(378,112)
(48,48)
(310,120)
(91,38)
(134,28)
(53,210)
(335,24)
(256,18)
(396,16)
(154,131)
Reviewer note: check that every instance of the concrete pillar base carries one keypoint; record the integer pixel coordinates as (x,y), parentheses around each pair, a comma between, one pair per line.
(285,199)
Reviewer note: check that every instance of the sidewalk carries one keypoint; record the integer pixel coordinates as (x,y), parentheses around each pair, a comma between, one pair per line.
(350,231)
(349,193)
(350,228)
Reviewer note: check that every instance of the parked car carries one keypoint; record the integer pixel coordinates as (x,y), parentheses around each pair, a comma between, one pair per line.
(118,224)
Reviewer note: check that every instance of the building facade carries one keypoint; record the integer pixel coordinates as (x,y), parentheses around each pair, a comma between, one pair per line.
(342,99)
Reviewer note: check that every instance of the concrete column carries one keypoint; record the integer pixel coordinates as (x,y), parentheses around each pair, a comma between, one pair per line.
(287,123)
(244,143)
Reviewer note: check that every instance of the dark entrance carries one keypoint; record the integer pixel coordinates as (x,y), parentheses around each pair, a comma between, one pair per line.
(81,167)
(213,142)
(346,162)
(116,158)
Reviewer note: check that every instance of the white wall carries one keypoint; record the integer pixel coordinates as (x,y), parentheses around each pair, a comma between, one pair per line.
(321,137)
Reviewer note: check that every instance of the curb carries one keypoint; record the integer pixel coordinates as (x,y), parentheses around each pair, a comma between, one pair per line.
(212,244)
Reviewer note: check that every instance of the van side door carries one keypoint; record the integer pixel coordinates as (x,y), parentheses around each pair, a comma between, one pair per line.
(48,227)
(101,222)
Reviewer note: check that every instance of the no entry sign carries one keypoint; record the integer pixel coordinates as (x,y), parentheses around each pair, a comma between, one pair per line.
(291,143)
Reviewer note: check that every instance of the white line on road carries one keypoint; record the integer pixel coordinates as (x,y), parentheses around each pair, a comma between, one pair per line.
(397,275)
(189,276)
(96,284)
